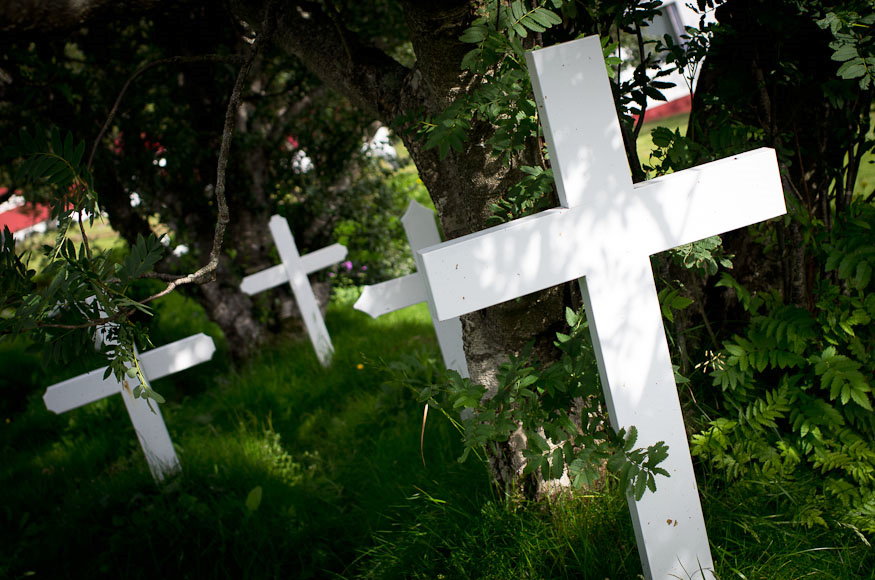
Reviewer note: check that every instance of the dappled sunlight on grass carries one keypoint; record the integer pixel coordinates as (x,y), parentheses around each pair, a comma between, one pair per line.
(297,471)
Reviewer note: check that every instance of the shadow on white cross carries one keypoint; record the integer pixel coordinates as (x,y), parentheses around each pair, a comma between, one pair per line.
(149,426)
(392,295)
(294,270)
(603,234)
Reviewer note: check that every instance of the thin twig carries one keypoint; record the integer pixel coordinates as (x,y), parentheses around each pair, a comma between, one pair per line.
(204,273)
(90,323)
(162,276)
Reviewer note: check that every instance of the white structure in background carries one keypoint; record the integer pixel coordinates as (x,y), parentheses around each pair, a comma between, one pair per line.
(22,218)
(293,271)
(674,17)
(603,234)
(380,145)
(392,295)
(148,423)
(300,162)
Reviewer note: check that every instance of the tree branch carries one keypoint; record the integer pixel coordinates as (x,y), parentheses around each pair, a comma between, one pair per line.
(61,15)
(207,272)
(365,75)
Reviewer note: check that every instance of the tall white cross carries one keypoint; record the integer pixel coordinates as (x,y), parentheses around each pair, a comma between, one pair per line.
(148,424)
(294,270)
(603,234)
(392,295)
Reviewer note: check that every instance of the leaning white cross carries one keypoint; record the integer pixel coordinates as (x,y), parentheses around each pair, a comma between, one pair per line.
(148,424)
(392,295)
(603,234)
(294,270)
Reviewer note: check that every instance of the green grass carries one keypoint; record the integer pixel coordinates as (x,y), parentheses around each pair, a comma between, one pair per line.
(335,454)
(645,141)
(101,237)
(866,177)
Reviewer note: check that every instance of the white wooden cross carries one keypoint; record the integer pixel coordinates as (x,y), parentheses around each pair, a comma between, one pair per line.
(294,270)
(148,424)
(392,295)
(603,234)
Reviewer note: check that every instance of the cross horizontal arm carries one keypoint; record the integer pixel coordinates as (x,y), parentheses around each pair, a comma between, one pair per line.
(276,275)
(80,391)
(713,198)
(562,244)
(156,363)
(392,295)
(177,356)
(261,281)
(322,258)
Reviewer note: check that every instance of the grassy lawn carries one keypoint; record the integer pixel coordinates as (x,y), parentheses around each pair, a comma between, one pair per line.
(101,238)
(866,178)
(345,490)
(645,141)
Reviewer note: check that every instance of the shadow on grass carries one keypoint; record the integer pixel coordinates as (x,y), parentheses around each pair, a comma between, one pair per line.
(296,471)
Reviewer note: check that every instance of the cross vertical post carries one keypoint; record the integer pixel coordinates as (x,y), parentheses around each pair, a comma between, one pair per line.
(392,295)
(603,234)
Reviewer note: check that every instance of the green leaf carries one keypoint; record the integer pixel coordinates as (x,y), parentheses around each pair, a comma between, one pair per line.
(852,69)
(631,438)
(154,395)
(76,158)
(67,152)
(662,136)
(470,58)
(571,317)
(640,486)
(545,17)
(253,499)
(845,52)
(654,93)
(528,380)
(476,34)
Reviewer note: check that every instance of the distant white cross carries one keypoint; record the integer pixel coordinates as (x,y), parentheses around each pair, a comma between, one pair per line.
(603,234)
(149,425)
(379,299)
(294,270)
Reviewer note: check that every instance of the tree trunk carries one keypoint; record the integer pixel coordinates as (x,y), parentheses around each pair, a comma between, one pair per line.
(461,185)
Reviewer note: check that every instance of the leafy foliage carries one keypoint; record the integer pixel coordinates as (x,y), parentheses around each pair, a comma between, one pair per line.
(502,98)
(853,46)
(368,222)
(526,197)
(82,298)
(557,409)
(797,385)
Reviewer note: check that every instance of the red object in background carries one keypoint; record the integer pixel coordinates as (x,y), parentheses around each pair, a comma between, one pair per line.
(18,215)
(669,109)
